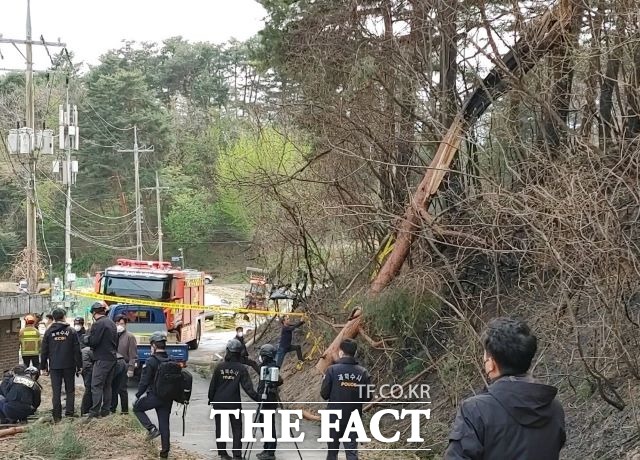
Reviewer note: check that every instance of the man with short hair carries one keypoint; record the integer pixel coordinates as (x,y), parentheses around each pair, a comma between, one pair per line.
(103,340)
(286,337)
(516,417)
(345,385)
(244,354)
(62,359)
(146,398)
(128,351)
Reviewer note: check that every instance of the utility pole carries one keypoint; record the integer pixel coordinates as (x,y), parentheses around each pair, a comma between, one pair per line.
(159,218)
(21,141)
(136,164)
(69,139)
(157,188)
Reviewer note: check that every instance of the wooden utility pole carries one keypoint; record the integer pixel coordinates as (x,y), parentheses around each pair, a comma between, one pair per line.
(157,188)
(32,240)
(136,163)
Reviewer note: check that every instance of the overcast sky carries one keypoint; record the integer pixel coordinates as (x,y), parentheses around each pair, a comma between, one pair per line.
(91,27)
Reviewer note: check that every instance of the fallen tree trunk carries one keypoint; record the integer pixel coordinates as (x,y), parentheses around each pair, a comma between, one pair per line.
(349,331)
(11,431)
(545,34)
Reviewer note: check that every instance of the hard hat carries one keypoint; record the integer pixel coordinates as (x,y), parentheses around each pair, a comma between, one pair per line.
(78,320)
(234,346)
(158,336)
(267,351)
(97,306)
(29,319)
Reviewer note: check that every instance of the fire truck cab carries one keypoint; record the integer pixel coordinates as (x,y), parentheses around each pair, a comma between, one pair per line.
(158,281)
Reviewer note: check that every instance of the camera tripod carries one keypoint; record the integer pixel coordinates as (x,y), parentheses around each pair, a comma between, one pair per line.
(263,399)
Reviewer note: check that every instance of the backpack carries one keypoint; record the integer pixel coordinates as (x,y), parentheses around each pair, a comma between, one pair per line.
(172,383)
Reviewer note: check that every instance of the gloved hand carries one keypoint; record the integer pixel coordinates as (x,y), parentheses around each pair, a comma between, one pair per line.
(78,371)
(129,374)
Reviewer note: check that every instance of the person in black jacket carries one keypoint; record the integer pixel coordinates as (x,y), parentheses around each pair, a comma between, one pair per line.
(21,395)
(103,340)
(224,394)
(78,325)
(268,391)
(87,370)
(516,418)
(61,358)
(244,354)
(149,401)
(342,386)
(286,337)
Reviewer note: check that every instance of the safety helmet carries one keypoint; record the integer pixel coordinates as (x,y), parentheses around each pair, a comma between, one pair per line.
(32,372)
(234,346)
(78,320)
(267,351)
(98,306)
(29,319)
(158,336)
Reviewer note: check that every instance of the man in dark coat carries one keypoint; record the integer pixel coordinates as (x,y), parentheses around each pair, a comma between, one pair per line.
(224,394)
(343,386)
(286,337)
(62,359)
(516,418)
(146,398)
(103,340)
(244,354)
(21,395)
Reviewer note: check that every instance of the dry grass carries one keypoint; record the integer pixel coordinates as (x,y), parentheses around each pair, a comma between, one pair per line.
(115,437)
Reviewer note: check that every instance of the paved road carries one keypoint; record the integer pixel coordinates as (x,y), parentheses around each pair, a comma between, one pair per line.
(199,437)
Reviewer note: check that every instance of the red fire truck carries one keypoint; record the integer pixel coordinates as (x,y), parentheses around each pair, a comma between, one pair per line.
(157,281)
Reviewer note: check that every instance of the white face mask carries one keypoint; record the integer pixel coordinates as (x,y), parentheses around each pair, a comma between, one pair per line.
(239,334)
(42,328)
(120,328)
(77,327)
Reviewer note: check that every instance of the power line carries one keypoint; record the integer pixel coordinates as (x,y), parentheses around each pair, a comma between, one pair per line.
(106,122)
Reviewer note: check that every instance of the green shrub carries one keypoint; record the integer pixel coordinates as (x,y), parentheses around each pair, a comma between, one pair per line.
(401,313)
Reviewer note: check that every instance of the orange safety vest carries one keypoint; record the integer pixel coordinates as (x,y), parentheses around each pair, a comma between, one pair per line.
(30,341)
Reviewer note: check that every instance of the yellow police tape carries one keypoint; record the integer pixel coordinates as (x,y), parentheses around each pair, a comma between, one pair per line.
(179,306)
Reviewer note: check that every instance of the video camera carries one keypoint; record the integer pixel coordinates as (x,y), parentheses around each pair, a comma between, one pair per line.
(270,374)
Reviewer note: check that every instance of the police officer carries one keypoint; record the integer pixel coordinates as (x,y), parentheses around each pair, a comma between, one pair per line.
(148,401)
(78,325)
(344,385)
(103,340)
(21,395)
(268,391)
(30,341)
(62,359)
(224,394)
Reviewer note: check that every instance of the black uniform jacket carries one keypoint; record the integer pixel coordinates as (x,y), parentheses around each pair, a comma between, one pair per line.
(515,419)
(228,377)
(60,348)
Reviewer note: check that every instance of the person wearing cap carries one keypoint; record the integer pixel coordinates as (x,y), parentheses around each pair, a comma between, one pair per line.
(224,394)
(146,398)
(78,325)
(30,341)
(128,351)
(61,358)
(269,394)
(22,395)
(103,340)
(342,386)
